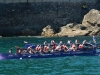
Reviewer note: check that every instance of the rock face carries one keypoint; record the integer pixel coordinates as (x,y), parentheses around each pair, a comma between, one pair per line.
(92,21)
(90,26)
(92,18)
(73,30)
(47,31)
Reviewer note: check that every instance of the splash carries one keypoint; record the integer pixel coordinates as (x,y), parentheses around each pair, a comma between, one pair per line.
(1,57)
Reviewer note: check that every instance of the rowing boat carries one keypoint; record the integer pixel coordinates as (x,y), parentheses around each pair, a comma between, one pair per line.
(93,51)
(49,55)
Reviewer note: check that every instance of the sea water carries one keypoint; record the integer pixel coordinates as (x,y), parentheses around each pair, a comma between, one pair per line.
(72,65)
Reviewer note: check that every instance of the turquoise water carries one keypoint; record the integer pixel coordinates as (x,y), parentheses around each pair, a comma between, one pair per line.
(74,65)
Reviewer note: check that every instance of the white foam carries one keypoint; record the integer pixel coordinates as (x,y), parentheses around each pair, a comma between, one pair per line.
(20,58)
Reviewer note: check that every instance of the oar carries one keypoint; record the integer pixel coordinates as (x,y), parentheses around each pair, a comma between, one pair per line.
(25,42)
(17,47)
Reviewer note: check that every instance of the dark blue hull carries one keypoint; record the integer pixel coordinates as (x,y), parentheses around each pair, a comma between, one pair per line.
(46,55)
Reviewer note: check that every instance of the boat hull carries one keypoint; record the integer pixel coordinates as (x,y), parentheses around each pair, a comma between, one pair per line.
(45,55)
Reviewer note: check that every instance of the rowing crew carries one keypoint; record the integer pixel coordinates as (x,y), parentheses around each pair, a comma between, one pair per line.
(53,47)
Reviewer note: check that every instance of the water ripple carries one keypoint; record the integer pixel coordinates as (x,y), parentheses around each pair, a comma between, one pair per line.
(74,65)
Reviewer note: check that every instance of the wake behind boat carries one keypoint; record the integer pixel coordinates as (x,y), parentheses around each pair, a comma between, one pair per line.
(51,50)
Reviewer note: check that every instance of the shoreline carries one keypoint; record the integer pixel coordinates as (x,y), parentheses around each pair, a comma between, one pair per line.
(44,36)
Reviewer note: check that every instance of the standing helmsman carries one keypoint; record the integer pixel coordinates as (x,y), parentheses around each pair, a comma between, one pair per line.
(94,39)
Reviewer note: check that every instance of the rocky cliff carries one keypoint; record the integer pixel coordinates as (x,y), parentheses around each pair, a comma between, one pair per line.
(24,19)
(90,26)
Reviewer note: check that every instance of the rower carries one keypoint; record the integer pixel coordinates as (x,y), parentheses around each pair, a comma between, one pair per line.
(29,48)
(45,43)
(84,42)
(76,42)
(38,48)
(10,51)
(53,43)
(69,42)
(80,46)
(64,47)
(60,43)
(73,47)
(46,48)
(58,48)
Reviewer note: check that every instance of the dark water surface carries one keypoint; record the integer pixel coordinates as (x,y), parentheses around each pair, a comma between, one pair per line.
(74,65)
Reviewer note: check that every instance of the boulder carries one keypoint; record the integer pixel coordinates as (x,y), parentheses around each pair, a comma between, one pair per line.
(92,21)
(92,18)
(29,32)
(47,31)
(90,26)
(73,30)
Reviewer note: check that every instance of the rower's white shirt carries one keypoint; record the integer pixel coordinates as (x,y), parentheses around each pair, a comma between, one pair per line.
(69,42)
(58,47)
(9,51)
(19,51)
